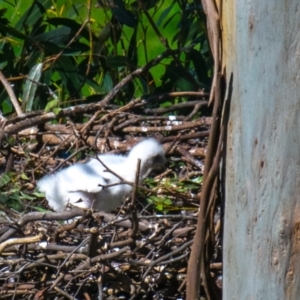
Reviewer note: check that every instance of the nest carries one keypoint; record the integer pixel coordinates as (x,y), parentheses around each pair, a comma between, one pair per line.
(141,250)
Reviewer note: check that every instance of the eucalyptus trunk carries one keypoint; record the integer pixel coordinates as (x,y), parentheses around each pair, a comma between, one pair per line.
(261,51)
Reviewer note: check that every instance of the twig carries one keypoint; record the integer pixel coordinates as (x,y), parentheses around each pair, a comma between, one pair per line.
(26,240)
(94,233)
(163,110)
(64,293)
(11,94)
(163,257)
(67,159)
(211,168)
(133,210)
(184,126)
(103,257)
(214,33)
(190,158)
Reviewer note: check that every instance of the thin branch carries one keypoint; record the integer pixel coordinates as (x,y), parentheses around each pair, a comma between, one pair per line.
(212,164)
(135,221)
(11,94)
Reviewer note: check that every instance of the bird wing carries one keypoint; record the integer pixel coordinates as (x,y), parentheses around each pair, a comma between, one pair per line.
(83,177)
(81,199)
(70,185)
(113,162)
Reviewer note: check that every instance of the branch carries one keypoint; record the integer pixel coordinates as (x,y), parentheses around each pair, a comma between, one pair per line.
(11,94)
(15,241)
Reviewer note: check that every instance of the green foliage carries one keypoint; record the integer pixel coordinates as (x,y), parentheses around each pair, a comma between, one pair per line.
(161,203)
(76,49)
(170,190)
(14,194)
(31,86)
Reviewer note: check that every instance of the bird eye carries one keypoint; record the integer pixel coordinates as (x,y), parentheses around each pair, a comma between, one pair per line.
(156,157)
(159,159)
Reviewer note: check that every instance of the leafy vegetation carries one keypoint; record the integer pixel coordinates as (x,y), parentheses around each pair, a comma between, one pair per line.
(62,53)
(172,194)
(14,194)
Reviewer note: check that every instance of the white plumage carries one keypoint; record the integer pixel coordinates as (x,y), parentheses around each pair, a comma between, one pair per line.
(79,183)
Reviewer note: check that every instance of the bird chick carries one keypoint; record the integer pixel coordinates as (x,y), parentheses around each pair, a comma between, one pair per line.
(83,184)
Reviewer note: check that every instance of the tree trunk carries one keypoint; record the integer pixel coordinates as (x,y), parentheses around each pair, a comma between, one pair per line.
(261,50)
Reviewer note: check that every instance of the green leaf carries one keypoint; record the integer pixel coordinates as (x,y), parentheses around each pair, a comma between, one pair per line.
(132,49)
(14,32)
(103,36)
(107,83)
(69,73)
(164,14)
(56,111)
(50,48)
(76,48)
(3,11)
(166,104)
(159,207)
(31,86)
(6,107)
(57,36)
(24,176)
(26,196)
(72,24)
(51,105)
(40,209)
(5,178)
(167,202)
(39,194)
(123,15)
(200,66)
(30,17)
(169,21)
(198,179)
(176,75)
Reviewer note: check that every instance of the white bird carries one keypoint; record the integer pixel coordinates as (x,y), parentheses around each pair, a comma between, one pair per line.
(83,184)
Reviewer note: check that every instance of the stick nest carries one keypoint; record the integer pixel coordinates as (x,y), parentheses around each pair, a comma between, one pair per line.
(141,250)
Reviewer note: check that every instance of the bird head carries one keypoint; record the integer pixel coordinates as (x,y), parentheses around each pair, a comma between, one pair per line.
(152,156)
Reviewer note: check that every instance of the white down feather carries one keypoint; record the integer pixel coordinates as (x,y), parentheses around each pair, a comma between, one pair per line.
(79,183)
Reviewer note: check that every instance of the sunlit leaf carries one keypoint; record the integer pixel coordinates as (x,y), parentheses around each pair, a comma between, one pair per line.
(39,194)
(166,104)
(57,110)
(40,209)
(30,17)
(51,105)
(159,207)
(164,14)
(24,196)
(24,176)
(30,87)
(167,202)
